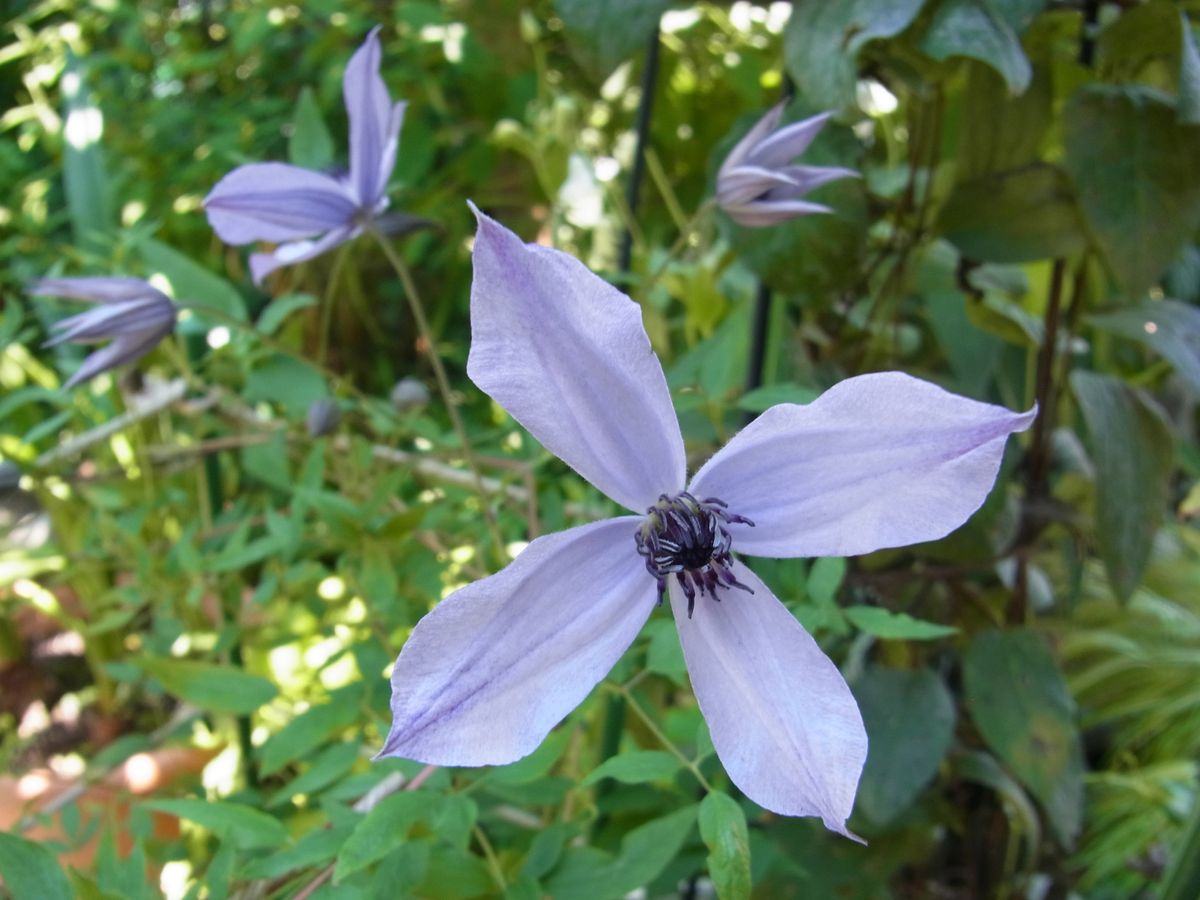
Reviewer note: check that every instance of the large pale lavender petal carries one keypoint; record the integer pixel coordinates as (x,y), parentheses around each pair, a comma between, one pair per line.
(497,664)
(787,143)
(292,252)
(743,148)
(276,202)
(96,288)
(374,122)
(880,460)
(783,721)
(567,355)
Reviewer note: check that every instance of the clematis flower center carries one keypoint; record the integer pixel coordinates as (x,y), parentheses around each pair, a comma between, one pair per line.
(690,539)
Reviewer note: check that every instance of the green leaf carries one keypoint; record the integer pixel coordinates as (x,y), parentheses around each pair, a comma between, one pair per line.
(85,183)
(280,308)
(192,283)
(1135,176)
(30,870)
(285,380)
(384,829)
(607,32)
(645,852)
(1016,216)
(208,685)
(454,874)
(971,28)
(883,623)
(636,767)
(1018,699)
(332,763)
(1133,450)
(316,848)
(1001,132)
(823,40)
(763,398)
(306,732)
(1187,104)
(245,826)
(825,577)
(724,832)
(1169,327)
(310,145)
(910,718)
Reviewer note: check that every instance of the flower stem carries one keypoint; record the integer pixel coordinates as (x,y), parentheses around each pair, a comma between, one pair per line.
(439,371)
(327,304)
(653,728)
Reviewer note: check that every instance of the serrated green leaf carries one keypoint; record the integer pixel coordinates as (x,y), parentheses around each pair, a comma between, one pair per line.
(244,825)
(635,767)
(30,870)
(724,832)
(883,623)
(210,686)
(384,829)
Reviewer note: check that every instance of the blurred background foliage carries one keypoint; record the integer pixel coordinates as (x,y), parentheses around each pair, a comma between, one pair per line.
(201,600)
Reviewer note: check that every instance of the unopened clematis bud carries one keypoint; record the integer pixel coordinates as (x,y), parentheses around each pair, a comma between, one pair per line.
(133,314)
(323,417)
(409,394)
(758,186)
(307,212)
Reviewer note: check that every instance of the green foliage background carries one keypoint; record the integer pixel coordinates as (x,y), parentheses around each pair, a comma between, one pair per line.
(1025,231)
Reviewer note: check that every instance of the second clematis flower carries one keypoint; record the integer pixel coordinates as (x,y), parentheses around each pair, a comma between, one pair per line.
(758,184)
(307,212)
(877,461)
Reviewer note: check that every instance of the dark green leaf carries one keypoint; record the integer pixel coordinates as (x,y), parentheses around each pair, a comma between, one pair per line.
(607,32)
(245,826)
(309,145)
(1135,177)
(822,42)
(1018,699)
(724,832)
(763,398)
(210,686)
(330,764)
(1132,449)
(909,716)
(384,829)
(882,623)
(454,874)
(84,180)
(636,767)
(971,28)
(1001,132)
(1016,216)
(30,870)
(1169,327)
(280,308)
(313,849)
(1187,104)
(287,381)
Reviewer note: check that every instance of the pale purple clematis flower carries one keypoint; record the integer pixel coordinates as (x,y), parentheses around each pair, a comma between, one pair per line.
(756,185)
(309,212)
(134,315)
(877,461)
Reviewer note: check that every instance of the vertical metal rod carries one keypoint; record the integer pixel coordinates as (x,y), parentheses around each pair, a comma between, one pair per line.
(638,173)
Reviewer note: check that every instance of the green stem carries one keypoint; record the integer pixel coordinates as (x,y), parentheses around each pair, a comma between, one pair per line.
(327,304)
(653,728)
(443,383)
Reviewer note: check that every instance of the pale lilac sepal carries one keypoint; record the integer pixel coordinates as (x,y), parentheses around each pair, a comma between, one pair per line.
(881,460)
(497,664)
(755,185)
(782,719)
(374,123)
(276,202)
(129,312)
(567,355)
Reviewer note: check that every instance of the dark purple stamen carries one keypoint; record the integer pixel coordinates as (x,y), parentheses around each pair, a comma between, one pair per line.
(688,538)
